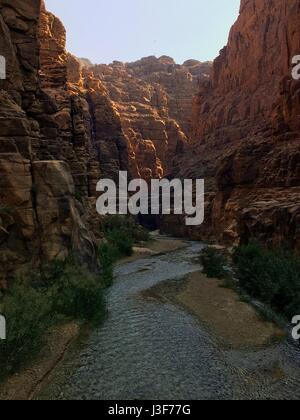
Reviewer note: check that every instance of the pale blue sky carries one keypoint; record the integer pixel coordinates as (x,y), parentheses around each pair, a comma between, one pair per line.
(126,30)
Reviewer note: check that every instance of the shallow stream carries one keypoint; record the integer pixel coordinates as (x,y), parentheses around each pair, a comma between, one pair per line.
(150,349)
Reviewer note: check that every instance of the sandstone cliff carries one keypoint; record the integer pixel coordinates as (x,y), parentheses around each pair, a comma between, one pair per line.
(246,130)
(59,133)
(153,97)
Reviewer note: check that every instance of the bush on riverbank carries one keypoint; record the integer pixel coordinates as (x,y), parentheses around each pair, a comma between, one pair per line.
(78,295)
(121,243)
(272,276)
(61,291)
(118,243)
(214,264)
(121,233)
(126,226)
(28,314)
(107,254)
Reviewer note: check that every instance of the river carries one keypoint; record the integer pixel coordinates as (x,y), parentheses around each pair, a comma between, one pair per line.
(153,349)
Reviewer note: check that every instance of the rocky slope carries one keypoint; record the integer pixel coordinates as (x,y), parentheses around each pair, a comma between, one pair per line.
(59,133)
(246,130)
(154,97)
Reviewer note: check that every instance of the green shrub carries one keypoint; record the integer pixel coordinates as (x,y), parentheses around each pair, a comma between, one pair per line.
(62,290)
(273,276)
(116,246)
(78,294)
(108,255)
(50,274)
(117,222)
(122,242)
(28,315)
(127,225)
(214,264)
(119,234)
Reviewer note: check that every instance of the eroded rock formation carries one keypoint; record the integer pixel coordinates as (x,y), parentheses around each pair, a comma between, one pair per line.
(246,130)
(154,97)
(59,134)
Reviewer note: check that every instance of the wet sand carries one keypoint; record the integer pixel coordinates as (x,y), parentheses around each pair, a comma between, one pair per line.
(237,325)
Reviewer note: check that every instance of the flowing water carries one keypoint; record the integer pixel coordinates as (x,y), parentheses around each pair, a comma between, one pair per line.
(151,349)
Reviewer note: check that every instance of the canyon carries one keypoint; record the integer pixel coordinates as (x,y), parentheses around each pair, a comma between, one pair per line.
(66,123)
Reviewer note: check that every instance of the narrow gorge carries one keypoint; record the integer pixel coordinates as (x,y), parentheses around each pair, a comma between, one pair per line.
(66,123)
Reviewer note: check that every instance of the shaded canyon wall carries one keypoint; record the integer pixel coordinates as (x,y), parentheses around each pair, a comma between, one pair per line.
(59,134)
(246,138)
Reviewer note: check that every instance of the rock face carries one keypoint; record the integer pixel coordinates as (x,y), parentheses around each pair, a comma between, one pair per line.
(59,134)
(153,97)
(246,130)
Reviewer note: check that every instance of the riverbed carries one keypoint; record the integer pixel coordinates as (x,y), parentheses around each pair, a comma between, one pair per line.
(153,346)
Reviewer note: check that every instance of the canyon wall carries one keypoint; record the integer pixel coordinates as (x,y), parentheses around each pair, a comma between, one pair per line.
(59,134)
(246,138)
(153,97)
